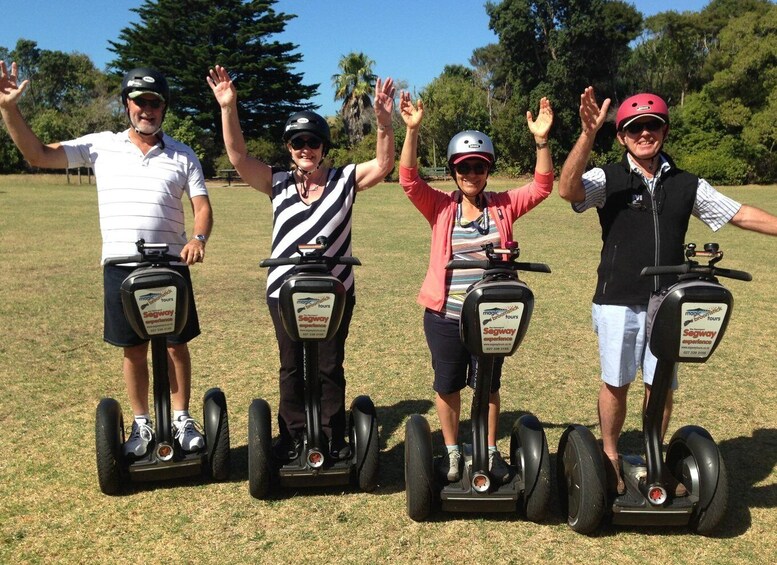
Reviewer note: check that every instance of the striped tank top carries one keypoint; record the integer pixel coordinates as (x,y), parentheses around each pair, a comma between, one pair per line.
(467,239)
(295,222)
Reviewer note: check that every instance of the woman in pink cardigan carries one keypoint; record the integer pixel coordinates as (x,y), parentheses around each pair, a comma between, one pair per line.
(462,221)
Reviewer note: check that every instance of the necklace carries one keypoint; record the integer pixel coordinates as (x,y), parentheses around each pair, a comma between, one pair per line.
(306,185)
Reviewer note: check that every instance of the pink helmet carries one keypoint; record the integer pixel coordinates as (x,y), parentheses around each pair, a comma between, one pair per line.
(639,105)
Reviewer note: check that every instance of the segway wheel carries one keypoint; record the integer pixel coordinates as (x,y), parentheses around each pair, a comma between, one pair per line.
(529,453)
(109,438)
(693,458)
(216,421)
(581,479)
(419,471)
(365,440)
(259,448)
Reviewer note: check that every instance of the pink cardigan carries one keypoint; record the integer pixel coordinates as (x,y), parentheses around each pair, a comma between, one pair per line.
(439,209)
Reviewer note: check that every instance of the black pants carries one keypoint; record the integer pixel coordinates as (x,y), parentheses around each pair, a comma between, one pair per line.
(331,354)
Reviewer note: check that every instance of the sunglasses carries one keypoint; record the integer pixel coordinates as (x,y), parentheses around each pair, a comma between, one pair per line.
(652,126)
(465,168)
(300,142)
(143,102)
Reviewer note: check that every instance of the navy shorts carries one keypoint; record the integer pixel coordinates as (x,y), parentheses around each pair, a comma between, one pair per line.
(118,331)
(454,366)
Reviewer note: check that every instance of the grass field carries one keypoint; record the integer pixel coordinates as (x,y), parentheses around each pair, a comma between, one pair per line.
(54,369)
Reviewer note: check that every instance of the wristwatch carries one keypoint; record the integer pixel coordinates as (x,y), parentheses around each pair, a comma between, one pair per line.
(201,238)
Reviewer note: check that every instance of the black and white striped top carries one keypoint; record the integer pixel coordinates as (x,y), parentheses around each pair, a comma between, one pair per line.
(295,222)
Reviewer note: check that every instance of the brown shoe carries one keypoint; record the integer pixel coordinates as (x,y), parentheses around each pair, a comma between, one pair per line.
(673,485)
(615,484)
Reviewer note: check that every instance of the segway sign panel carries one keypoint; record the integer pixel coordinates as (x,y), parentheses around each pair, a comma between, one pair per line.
(313,315)
(702,325)
(157,306)
(499,326)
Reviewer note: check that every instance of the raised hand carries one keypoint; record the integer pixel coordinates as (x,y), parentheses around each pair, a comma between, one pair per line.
(411,115)
(541,126)
(222,86)
(10,89)
(384,101)
(591,115)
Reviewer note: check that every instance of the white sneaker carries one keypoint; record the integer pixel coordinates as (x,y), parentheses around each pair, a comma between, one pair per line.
(140,437)
(188,434)
(454,459)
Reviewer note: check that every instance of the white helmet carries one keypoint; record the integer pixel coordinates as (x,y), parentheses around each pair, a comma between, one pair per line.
(470,143)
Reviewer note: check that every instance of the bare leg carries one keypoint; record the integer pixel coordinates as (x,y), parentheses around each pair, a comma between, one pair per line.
(135,369)
(449,412)
(494,403)
(612,415)
(180,373)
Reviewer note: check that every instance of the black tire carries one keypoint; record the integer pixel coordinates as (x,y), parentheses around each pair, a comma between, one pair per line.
(259,448)
(529,453)
(693,458)
(216,418)
(419,472)
(581,481)
(365,441)
(109,439)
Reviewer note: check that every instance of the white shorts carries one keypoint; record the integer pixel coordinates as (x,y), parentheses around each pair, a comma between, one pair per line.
(622,344)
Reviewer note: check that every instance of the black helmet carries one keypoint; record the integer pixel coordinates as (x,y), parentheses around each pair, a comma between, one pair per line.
(145,80)
(307,122)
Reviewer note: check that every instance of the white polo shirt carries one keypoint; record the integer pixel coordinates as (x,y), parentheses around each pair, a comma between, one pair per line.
(139,196)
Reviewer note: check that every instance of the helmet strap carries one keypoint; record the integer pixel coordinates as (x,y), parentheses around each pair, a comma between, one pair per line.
(155,133)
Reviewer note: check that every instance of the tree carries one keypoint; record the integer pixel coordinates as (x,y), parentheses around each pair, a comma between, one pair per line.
(727,131)
(67,97)
(354,85)
(184,39)
(454,101)
(556,48)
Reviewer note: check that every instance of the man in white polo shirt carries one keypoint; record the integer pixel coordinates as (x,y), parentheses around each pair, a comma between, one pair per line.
(142,175)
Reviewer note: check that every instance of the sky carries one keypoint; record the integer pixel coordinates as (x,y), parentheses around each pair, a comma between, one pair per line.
(409,40)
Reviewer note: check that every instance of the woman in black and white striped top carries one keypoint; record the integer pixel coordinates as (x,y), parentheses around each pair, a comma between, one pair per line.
(308,201)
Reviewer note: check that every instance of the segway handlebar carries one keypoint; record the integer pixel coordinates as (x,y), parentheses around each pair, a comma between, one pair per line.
(148,253)
(311,254)
(486,264)
(691,267)
(494,260)
(307,260)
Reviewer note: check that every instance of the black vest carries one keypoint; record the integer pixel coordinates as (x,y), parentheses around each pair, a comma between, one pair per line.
(640,230)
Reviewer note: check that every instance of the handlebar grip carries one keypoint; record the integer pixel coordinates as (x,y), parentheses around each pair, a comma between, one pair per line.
(466,264)
(666,270)
(121,260)
(278,261)
(533,267)
(347,261)
(733,274)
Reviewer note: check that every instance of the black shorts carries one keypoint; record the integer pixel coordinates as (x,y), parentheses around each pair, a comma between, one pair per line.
(117,330)
(454,366)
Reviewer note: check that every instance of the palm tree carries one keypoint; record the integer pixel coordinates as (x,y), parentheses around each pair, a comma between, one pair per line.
(354,85)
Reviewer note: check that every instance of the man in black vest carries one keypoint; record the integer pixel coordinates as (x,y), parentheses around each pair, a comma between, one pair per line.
(644,204)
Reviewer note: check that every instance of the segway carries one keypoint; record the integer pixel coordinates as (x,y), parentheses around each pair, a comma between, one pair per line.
(494,320)
(686,323)
(311,305)
(156,303)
